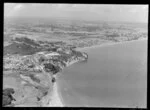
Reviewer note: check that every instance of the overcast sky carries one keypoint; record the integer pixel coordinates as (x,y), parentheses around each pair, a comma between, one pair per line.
(128,13)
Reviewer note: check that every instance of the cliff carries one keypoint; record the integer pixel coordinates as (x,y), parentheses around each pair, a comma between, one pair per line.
(30,76)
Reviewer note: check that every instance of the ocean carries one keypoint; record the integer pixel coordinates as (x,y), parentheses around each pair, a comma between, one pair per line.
(113,76)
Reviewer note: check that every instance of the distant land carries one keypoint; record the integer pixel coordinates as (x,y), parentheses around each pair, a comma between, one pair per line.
(35,50)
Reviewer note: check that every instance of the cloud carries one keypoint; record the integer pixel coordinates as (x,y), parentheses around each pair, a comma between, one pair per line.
(36,4)
(12,9)
(133,10)
(17,7)
(79,11)
(145,7)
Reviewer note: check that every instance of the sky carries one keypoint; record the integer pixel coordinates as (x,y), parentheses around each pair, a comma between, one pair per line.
(98,12)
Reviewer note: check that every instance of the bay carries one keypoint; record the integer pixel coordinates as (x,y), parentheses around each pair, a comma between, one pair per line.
(114,76)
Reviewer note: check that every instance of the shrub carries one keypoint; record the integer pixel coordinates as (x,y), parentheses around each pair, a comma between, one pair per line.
(7,96)
(51,68)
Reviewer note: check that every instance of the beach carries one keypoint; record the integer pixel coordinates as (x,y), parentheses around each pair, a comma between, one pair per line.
(107,44)
(56,100)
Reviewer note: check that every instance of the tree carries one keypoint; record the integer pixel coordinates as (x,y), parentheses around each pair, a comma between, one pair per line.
(51,68)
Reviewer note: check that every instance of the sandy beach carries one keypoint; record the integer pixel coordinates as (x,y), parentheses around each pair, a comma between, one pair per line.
(56,100)
(107,44)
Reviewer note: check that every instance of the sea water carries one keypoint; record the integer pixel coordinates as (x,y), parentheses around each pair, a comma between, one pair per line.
(113,76)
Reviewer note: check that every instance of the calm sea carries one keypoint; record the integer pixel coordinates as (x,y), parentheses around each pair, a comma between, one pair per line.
(113,76)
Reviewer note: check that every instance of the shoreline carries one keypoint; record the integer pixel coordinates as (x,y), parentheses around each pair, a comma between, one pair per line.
(107,44)
(56,99)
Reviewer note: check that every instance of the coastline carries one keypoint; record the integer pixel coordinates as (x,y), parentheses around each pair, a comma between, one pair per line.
(56,99)
(107,44)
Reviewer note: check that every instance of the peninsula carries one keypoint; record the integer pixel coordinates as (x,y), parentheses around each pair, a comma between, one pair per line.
(30,69)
